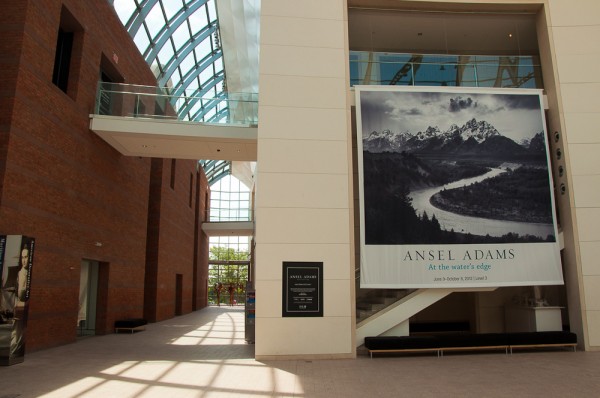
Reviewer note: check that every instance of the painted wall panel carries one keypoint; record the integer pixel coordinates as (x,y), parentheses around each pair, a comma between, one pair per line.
(304,123)
(302,61)
(582,127)
(302,91)
(590,252)
(580,12)
(308,32)
(292,226)
(317,336)
(584,161)
(303,156)
(588,220)
(335,258)
(305,9)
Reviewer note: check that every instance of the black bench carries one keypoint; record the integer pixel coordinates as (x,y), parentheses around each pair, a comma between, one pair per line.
(542,340)
(467,341)
(131,325)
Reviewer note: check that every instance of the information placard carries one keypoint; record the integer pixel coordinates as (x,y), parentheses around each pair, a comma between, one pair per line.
(302,289)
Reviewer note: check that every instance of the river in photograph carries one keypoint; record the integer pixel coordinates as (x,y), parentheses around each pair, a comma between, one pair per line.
(474,225)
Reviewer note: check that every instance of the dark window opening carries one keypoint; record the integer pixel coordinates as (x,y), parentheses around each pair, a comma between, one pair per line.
(62,59)
(69,48)
(110,101)
(191,186)
(173,163)
(105,105)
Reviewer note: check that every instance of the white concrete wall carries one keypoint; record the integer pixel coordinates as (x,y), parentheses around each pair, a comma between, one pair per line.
(575,34)
(304,189)
(304,195)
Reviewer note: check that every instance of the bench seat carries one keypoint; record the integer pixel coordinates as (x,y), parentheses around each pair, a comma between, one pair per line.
(469,341)
(130,325)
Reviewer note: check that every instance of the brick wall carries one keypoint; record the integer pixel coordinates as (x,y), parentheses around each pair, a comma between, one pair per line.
(202,192)
(173,239)
(65,186)
(11,39)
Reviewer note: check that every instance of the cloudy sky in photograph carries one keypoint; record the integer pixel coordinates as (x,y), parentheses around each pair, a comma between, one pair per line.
(516,116)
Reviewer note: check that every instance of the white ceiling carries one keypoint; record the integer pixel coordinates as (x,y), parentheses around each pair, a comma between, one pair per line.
(464,33)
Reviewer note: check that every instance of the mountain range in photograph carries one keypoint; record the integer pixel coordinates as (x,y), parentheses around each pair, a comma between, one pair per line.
(396,164)
(474,138)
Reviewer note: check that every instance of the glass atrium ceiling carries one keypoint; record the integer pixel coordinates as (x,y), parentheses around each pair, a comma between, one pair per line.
(179,39)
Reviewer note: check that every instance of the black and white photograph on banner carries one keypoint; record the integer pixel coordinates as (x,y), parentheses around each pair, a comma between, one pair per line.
(454,167)
(16,263)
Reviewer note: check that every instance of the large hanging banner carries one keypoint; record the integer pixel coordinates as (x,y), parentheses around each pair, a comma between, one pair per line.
(16,261)
(455,188)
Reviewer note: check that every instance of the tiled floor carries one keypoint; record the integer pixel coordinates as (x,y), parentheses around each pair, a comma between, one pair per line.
(204,354)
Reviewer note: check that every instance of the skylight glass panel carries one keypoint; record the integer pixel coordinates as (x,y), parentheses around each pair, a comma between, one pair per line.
(158,21)
(141,40)
(124,9)
(179,104)
(209,114)
(204,47)
(218,65)
(155,20)
(188,63)
(195,108)
(198,20)
(172,7)
(175,78)
(181,36)
(155,68)
(166,53)
(193,86)
(212,13)
(213,91)
(206,75)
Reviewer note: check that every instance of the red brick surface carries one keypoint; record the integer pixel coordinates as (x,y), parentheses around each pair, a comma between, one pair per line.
(65,186)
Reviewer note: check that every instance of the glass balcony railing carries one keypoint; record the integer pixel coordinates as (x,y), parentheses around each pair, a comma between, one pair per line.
(225,214)
(129,100)
(375,68)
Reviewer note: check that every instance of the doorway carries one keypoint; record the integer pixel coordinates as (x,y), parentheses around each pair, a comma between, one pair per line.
(178,294)
(88,298)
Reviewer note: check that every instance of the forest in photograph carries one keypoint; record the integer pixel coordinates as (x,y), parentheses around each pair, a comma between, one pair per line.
(517,195)
(391,219)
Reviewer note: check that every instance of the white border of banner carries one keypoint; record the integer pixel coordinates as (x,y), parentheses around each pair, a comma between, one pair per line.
(456,266)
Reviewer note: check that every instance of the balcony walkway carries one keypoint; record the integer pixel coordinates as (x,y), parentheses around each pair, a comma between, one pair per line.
(166,123)
(169,138)
(203,354)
